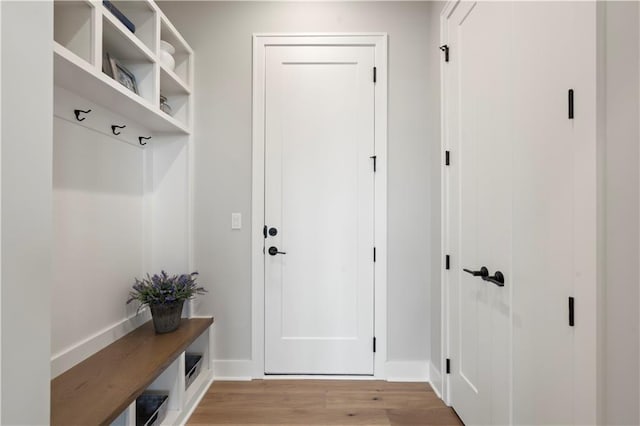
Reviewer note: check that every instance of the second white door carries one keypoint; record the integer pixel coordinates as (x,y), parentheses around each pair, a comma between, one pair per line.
(319,210)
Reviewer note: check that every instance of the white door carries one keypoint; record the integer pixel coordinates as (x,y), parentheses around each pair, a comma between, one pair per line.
(481,162)
(519,171)
(319,186)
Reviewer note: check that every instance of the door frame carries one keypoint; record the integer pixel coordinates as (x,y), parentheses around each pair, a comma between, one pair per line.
(445,240)
(260,42)
(588,242)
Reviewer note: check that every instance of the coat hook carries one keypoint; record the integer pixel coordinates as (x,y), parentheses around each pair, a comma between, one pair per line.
(140,138)
(114,127)
(77,112)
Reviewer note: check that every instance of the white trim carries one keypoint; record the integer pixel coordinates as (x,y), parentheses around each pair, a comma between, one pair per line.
(232,369)
(435,379)
(444,208)
(260,41)
(1,286)
(316,377)
(67,358)
(407,371)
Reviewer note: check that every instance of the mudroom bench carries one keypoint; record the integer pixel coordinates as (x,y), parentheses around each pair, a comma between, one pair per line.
(103,388)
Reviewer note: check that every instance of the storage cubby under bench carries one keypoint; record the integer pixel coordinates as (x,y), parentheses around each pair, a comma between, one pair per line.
(97,390)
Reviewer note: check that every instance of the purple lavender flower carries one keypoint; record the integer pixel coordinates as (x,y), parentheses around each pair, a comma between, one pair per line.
(164,289)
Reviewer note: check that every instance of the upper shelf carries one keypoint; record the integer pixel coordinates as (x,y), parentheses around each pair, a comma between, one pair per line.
(86,33)
(74,74)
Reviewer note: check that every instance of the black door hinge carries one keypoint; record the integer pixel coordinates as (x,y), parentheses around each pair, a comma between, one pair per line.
(375,162)
(264,231)
(448,366)
(570,104)
(445,49)
(571,312)
(374,344)
(374,254)
(447,260)
(447,160)
(375,74)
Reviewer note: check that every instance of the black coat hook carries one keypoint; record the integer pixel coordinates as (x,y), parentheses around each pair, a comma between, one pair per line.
(141,138)
(114,127)
(77,112)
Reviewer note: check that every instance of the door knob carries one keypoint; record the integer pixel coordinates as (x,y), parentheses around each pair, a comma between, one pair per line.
(273,232)
(497,279)
(274,250)
(483,272)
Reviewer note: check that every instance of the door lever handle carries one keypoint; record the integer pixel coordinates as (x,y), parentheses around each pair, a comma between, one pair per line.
(497,279)
(483,272)
(274,250)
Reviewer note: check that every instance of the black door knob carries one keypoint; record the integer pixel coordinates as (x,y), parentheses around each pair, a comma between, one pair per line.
(273,232)
(483,272)
(274,250)
(497,279)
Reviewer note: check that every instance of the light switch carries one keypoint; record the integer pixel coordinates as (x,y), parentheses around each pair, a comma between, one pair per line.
(236,220)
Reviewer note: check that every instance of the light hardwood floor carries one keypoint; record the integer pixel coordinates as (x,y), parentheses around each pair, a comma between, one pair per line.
(322,402)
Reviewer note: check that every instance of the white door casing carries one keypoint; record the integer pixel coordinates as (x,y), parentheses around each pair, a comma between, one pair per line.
(319,185)
(536,51)
(262,43)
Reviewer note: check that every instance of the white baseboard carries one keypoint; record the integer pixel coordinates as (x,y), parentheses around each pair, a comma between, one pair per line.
(396,371)
(435,378)
(68,357)
(407,371)
(232,369)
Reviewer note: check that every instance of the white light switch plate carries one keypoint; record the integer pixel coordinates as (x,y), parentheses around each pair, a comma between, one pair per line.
(236,220)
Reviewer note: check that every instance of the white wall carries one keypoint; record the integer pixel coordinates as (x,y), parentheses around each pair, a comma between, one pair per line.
(220,33)
(621,290)
(119,212)
(25,215)
(98,232)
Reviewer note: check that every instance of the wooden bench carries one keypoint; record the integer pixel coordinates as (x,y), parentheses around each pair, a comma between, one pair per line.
(101,387)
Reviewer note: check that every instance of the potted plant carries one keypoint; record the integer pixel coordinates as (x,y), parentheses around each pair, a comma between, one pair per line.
(165,296)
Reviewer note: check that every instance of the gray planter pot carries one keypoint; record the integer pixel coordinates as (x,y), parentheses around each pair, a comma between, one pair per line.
(166,318)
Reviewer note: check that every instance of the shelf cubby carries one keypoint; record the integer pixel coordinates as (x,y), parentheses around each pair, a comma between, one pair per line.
(179,108)
(169,383)
(199,346)
(183,52)
(73,27)
(142,14)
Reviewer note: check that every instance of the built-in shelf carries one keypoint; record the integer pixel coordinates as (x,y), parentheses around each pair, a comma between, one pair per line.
(86,31)
(75,75)
(104,386)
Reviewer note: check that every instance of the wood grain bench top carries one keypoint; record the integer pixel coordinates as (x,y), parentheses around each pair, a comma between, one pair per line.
(97,390)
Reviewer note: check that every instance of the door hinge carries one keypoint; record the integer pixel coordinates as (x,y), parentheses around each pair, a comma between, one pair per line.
(447,260)
(570,104)
(374,344)
(374,254)
(445,49)
(375,162)
(448,366)
(375,74)
(571,312)
(264,231)
(447,160)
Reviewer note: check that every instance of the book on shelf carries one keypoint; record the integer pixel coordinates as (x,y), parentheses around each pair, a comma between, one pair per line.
(121,17)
